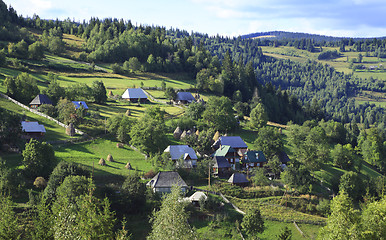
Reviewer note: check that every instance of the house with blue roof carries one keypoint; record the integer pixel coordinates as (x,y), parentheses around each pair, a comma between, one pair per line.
(179,152)
(79,104)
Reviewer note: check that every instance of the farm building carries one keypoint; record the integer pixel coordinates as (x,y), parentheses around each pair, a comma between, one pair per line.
(135,95)
(221,166)
(238,179)
(184,98)
(164,181)
(39,100)
(184,152)
(79,104)
(32,129)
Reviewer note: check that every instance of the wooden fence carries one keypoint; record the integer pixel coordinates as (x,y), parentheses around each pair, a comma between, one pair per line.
(39,113)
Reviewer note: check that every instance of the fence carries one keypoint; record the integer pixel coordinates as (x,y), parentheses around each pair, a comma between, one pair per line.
(39,113)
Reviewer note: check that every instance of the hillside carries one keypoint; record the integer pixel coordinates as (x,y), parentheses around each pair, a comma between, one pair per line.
(282,102)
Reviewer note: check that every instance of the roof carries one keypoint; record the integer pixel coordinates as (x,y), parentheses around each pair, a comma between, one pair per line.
(178,151)
(40,99)
(185,96)
(224,150)
(221,162)
(32,127)
(167,179)
(134,93)
(238,178)
(197,196)
(284,157)
(79,104)
(256,157)
(233,141)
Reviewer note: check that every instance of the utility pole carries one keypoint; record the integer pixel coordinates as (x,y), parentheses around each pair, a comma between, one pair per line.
(209,175)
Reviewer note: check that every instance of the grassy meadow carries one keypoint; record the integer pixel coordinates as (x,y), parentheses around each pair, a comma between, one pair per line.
(89,153)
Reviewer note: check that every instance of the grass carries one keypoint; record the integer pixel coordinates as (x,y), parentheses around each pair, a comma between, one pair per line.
(89,154)
(274,228)
(276,212)
(54,132)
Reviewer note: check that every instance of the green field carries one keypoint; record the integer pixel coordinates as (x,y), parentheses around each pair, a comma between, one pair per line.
(89,154)
(54,132)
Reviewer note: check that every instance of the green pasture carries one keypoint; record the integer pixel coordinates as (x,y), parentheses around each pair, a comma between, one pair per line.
(276,212)
(89,154)
(274,228)
(54,132)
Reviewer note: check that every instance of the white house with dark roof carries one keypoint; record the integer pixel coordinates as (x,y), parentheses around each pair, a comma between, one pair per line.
(135,95)
(164,181)
(184,152)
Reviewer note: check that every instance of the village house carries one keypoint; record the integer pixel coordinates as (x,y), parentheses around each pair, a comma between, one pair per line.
(39,100)
(135,95)
(183,152)
(254,159)
(229,154)
(79,104)
(164,181)
(32,129)
(221,166)
(184,98)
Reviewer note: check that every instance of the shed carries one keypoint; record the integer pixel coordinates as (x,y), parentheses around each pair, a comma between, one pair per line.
(238,179)
(164,181)
(135,95)
(39,100)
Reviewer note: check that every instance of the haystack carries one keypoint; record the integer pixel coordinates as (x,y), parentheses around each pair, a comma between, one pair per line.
(110,158)
(128,113)
(197,133)
(216,136)
(102,162)
(183,135)
(128,166)
(177,133)
(111,93)
(70,130)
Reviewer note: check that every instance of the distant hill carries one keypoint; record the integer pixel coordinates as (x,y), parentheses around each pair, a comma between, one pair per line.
(295,35)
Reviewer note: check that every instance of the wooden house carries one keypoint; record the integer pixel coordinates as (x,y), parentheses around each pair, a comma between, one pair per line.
(254,159)
(229,154)
(39,100)
(164,181)
(135,95)
(32,129)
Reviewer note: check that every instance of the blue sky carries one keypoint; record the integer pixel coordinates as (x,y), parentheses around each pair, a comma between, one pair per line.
(343,18)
